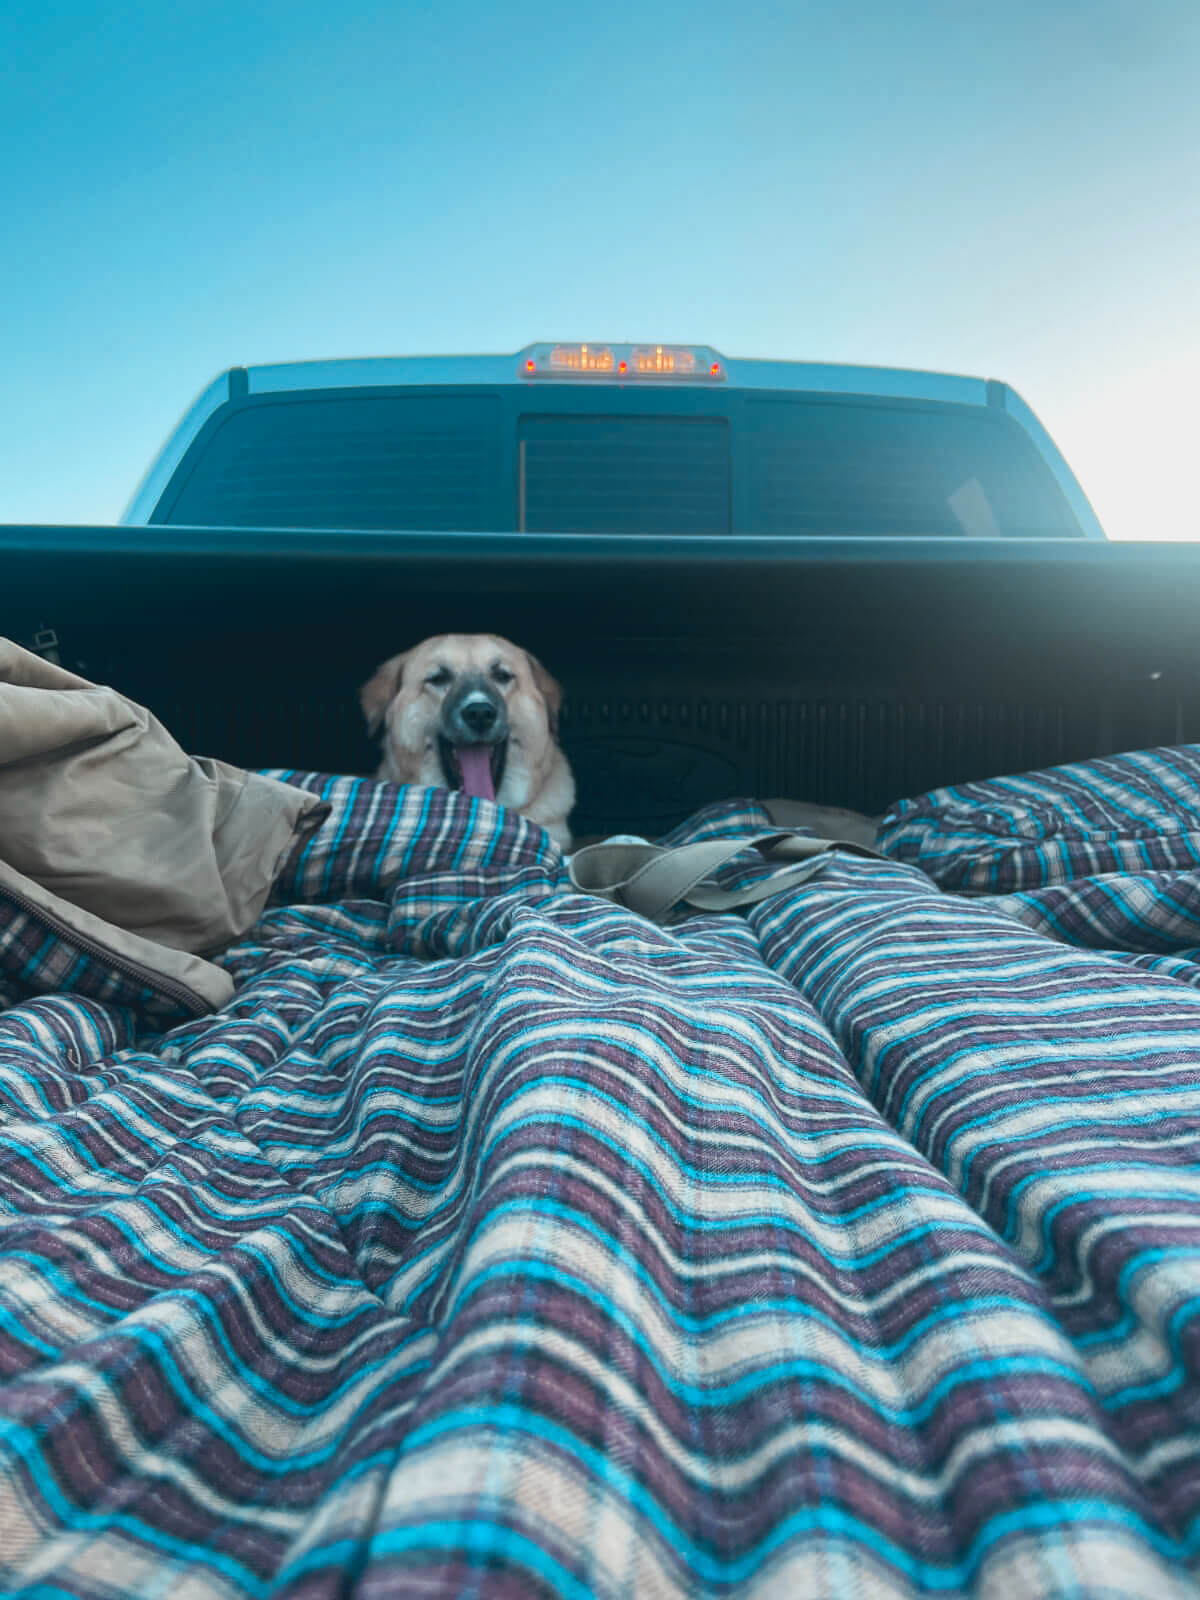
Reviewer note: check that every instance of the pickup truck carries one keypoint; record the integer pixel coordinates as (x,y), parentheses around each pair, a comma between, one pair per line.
(493,1240)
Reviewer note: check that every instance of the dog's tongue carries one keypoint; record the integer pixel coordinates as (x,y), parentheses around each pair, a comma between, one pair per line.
(475,764)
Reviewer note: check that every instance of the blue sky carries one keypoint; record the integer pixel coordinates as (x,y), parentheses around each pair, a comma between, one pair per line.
(1010,191)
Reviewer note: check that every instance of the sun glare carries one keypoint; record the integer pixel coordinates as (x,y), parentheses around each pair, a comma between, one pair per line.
(1132,444)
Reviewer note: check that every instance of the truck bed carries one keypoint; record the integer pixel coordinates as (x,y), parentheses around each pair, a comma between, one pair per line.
(494,1241)
(846,672)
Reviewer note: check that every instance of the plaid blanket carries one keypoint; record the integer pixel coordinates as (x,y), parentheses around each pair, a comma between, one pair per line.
(495,1243)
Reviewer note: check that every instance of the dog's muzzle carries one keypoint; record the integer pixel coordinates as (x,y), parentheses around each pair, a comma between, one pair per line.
(473,740)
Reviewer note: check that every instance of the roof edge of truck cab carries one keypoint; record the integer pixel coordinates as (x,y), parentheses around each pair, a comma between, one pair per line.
(533,364)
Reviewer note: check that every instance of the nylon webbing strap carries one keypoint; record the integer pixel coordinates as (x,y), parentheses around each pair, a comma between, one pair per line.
(652,879)
(828,822)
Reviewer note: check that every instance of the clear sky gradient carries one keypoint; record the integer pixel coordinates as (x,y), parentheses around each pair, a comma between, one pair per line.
(1007,191)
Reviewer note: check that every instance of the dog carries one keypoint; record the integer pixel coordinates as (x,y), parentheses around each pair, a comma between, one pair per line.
(470,711)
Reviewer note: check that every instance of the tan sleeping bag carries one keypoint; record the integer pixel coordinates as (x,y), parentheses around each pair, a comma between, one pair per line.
(113,839)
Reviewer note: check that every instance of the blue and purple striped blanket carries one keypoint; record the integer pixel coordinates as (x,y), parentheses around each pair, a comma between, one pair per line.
(495,1243)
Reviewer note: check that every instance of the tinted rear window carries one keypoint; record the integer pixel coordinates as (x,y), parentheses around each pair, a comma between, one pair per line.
(862,468)
(803,465)
(379,461)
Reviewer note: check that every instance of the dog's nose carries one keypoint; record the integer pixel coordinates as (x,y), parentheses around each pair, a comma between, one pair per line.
(478,715)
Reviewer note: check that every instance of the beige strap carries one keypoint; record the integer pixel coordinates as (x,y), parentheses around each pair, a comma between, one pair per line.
(652,879)
(827,822)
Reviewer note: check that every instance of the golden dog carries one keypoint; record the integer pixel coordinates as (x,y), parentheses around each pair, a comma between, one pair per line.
(471,711)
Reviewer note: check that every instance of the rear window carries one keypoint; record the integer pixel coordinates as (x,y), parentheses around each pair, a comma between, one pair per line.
(746,463)
(855,467)
(376,461)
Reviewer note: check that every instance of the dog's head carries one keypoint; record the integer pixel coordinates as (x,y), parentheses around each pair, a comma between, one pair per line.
(466,711)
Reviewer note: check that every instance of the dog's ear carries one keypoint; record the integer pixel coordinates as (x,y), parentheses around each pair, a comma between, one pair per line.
(550,690)
(377,694)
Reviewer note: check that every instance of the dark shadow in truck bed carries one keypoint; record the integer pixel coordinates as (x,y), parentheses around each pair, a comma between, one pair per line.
(846,672)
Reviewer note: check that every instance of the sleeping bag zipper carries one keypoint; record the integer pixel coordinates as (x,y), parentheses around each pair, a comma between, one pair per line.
(171,988)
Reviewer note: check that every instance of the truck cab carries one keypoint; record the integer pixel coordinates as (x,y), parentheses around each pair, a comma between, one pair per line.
(624,439)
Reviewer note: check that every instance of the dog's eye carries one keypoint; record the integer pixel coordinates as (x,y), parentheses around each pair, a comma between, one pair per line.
(438,679)
(502,675)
